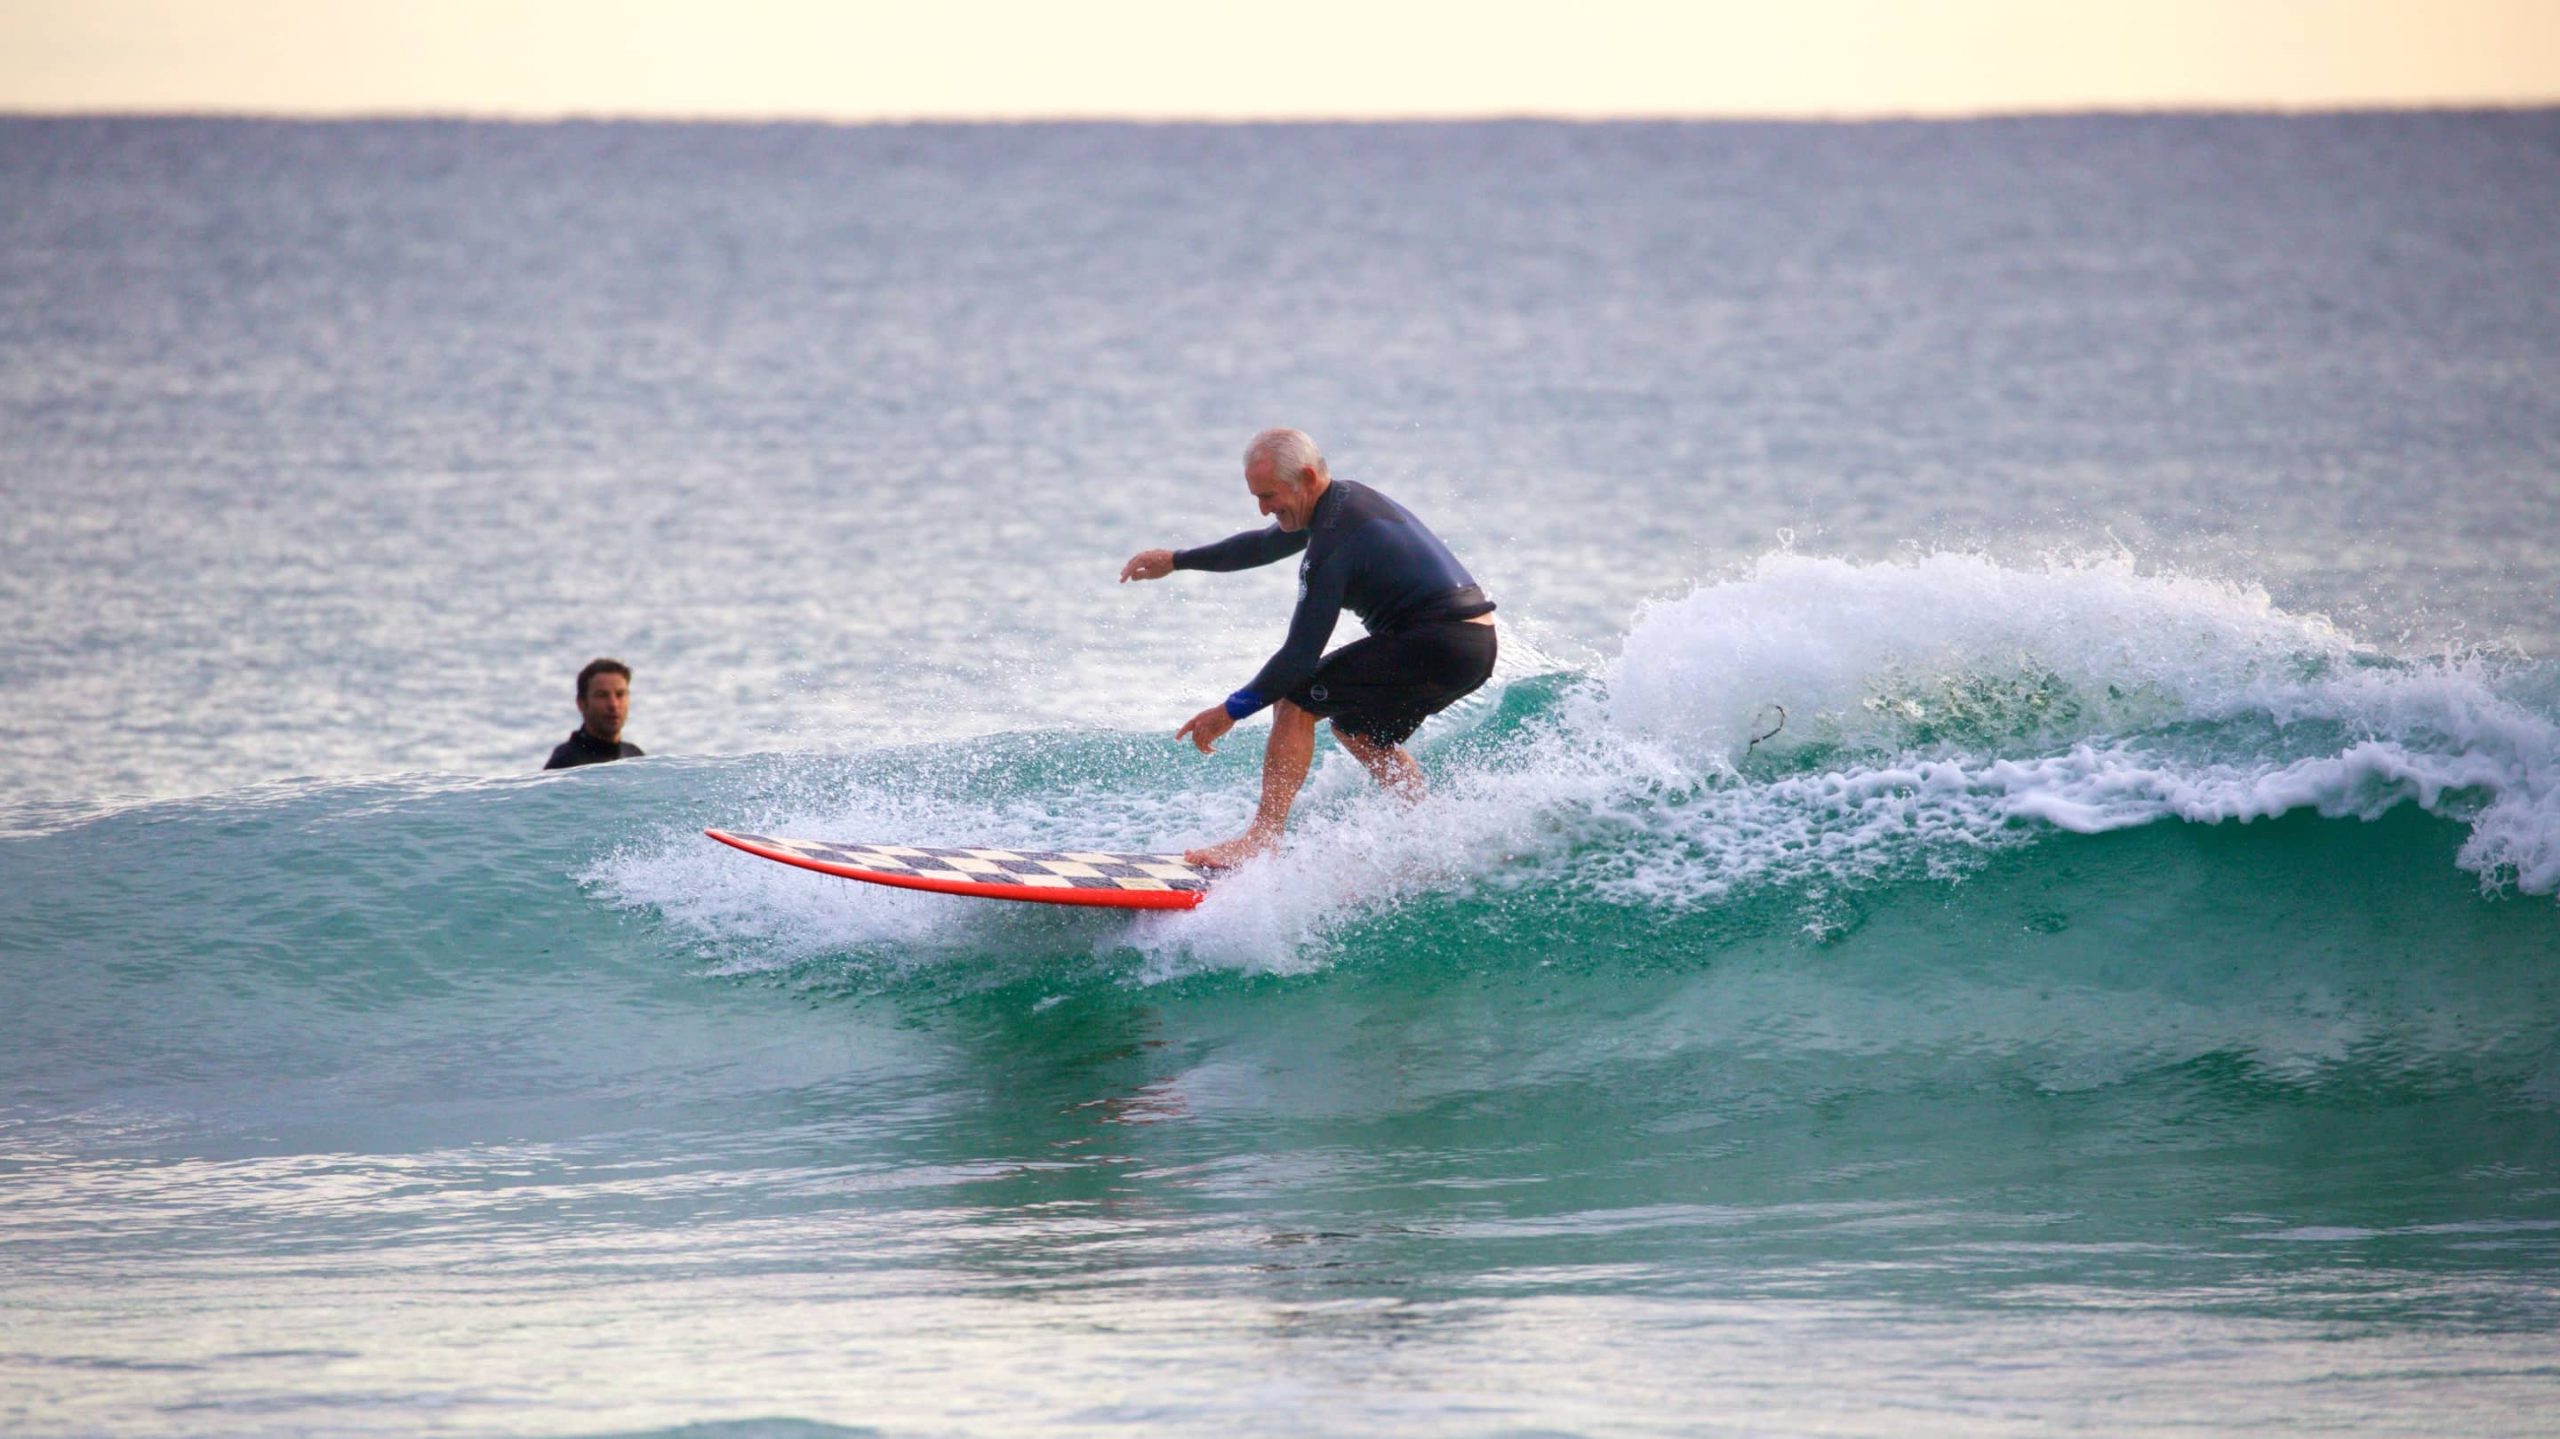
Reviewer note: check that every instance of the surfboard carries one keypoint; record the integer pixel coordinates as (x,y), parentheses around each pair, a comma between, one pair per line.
(1041,876)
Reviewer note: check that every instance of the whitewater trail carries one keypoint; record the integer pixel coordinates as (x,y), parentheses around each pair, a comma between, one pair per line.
(1939,709)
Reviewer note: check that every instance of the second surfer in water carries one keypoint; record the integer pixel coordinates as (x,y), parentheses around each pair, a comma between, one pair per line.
(1430,641)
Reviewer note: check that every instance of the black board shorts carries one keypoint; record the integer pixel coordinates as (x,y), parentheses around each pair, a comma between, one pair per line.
(1383,687)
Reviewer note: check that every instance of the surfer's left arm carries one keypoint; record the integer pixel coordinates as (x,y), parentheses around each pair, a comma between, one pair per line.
(1206,728)
(1319,610)
(1320,597)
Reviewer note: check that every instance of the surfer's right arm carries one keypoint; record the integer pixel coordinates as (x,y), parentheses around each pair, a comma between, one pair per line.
(1147,565)
(1235,552)
(1244,551)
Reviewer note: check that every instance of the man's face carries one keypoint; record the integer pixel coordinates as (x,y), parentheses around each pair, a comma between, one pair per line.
(1288,499)
(606,704)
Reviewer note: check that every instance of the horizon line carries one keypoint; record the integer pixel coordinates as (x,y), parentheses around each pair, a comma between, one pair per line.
(571,116)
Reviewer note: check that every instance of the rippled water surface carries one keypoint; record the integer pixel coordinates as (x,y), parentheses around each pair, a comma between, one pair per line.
(2121,995)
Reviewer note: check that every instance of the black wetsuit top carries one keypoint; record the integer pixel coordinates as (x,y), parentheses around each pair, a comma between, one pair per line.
(584,748)
(1364,552)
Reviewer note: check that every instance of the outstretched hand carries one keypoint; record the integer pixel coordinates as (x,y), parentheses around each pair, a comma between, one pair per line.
(1206,728)
(1147,565)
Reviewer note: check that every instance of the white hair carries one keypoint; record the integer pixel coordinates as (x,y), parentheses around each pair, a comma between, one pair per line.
(1291,452)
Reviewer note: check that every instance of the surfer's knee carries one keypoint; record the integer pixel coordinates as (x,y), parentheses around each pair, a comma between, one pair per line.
(1365,749)
(1393,767)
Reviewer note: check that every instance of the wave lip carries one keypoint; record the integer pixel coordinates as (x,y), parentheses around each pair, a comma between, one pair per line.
(2081,695)
(1955,648)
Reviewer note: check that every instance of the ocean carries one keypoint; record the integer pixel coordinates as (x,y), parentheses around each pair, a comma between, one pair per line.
(2123,994)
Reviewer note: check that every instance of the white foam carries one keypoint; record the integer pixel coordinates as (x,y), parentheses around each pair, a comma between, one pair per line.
(1939,708)
(753,914)
(1866,654)
(1955,706)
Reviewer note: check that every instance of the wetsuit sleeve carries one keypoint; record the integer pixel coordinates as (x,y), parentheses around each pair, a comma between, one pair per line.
(1319,610)
(1242,552)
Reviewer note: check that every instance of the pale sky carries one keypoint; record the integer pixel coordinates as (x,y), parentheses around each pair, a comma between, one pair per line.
(1230,59)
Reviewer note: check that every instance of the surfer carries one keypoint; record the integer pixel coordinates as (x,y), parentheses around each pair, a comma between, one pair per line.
(604,702)
(1430,641)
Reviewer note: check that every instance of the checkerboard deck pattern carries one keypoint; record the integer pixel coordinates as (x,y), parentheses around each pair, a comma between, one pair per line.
(1028,868)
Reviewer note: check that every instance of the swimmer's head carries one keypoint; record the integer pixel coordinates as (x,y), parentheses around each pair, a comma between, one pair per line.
(604,698)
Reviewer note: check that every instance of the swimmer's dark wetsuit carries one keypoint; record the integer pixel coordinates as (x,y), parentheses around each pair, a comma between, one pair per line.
(584,748)
(1369,554)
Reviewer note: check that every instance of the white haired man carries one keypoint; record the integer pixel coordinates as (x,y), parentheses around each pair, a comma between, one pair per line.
(1430,641)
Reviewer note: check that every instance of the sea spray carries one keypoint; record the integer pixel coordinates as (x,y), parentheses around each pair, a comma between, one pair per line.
(1952,651)
(1942,708)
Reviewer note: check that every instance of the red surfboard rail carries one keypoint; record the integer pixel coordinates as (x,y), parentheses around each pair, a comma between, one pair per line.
(1080,877)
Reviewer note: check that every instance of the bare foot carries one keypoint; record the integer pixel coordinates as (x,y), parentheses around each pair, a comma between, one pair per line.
(1232,853)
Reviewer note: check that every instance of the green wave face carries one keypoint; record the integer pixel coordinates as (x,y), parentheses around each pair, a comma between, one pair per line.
(2098,1041)
(2223,965)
